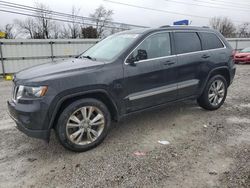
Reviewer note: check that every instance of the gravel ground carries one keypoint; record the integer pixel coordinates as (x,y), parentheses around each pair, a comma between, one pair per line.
(207,149)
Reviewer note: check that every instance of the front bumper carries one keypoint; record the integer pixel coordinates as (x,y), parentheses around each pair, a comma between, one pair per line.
(27,121)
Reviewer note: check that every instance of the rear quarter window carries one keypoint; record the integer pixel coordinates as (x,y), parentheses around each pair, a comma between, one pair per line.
(210,41)
(187,42)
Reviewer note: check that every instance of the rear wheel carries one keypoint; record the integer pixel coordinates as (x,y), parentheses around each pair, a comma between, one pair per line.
(83,125)
(214,93)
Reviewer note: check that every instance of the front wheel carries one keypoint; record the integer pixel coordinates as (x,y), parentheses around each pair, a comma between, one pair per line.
(214,93)
(83,125)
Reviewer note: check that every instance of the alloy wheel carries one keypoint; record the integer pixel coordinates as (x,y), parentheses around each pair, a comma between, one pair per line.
(216,92)
(85,125)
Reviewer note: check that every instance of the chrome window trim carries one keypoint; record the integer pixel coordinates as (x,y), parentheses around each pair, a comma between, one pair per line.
(199,51)
(173,31)
(224,46)
(159,32)
(152,59)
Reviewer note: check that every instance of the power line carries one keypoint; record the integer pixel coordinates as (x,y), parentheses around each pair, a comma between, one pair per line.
(55,19)
(55,13)
(164,11)
(201,5)
(232,3)
(221,3)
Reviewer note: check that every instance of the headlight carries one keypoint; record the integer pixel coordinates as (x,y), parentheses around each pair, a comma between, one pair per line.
(30,92)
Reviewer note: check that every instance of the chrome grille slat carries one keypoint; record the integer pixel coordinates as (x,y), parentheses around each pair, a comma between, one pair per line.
(14,91)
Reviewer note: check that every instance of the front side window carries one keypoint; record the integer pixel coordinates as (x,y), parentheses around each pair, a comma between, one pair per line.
(211,41)
(187,42)
(110,47)
(155,46)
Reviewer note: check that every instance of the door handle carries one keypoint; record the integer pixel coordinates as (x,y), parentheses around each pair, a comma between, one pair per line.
(168,63)
(205,56)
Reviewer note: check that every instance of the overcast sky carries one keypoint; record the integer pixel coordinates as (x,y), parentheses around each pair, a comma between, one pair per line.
(150,18)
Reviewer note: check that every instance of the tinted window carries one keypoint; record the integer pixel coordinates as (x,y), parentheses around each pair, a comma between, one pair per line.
(187,42)
(211,41)
(157,45)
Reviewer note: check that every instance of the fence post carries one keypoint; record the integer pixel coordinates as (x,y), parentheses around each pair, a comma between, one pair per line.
(1,56)
(236,44)
(51,50)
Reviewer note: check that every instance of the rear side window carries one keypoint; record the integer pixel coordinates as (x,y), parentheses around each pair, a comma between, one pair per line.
(211,41)
(187,42)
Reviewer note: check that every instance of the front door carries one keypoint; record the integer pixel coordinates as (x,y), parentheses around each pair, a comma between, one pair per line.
(151,77)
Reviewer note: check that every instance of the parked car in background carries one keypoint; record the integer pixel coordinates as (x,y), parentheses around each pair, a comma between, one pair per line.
(123,74)
(242,56)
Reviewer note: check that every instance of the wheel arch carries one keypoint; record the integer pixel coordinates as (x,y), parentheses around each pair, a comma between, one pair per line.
(100,95)
(223,71)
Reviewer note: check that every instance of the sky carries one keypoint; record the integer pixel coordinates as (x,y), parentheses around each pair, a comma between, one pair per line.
(238,11)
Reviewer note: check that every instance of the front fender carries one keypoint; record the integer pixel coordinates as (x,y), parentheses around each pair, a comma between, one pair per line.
(58,102)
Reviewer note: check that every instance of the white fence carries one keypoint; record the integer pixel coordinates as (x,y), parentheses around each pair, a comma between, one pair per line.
(239,43)
(16,54)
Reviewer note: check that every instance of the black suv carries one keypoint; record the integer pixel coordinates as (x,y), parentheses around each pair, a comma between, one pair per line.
(125,73)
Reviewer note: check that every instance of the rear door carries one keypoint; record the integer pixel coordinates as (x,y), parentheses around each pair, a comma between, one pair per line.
(151,80)
(190,58)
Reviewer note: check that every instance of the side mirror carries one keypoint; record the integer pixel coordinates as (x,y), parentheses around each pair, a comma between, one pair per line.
(141,55)
(131,60)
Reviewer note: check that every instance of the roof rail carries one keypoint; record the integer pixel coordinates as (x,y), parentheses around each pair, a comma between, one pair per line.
(165,26)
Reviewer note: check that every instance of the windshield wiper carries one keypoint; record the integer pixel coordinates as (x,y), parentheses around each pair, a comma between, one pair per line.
(88,57)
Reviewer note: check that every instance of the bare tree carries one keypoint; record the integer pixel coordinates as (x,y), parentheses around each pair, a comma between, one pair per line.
(39,27)
(223,25)
(65,32)
(9,31)
(102,17)
(27,27)
(43,20)
(244,30)
(56,30)
(74,28)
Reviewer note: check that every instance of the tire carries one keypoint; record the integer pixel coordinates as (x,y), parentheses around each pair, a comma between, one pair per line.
(72,128)
(208,103)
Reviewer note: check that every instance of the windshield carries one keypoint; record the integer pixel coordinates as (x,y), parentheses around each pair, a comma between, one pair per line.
(110,47)
(246,50)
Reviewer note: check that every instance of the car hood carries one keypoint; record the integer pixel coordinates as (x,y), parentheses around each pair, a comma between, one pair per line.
(242,54)
(57,68)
